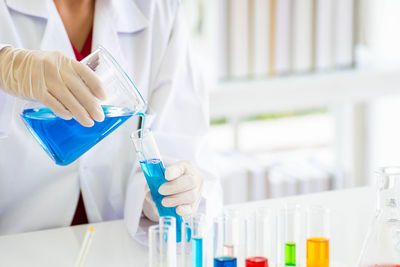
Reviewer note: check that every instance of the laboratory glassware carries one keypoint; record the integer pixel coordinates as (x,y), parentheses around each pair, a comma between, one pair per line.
(66,140)
(289,240)
(382,243)
(194,241)
(198,226)
(153,168)
(227,237)
(318,235)
(162,246)
(259,238)
(168,221)
(185,246)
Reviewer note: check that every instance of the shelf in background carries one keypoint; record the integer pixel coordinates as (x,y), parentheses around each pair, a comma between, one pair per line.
(250,97)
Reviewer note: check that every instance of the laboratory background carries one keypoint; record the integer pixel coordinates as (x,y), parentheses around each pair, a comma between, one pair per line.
(298,99)
(304,107)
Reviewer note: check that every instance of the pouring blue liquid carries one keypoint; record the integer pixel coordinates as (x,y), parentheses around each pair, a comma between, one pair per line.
(66,140)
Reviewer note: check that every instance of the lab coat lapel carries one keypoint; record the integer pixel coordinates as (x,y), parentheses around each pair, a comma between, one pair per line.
(104,32)
(36,8)
(55,36)
(113,18)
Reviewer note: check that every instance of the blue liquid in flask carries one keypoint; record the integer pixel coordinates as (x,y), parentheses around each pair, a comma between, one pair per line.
(225,262)
(154,172)
(197,252)
(66,140)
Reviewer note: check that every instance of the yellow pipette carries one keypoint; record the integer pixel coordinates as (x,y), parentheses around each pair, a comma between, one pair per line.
(80,261)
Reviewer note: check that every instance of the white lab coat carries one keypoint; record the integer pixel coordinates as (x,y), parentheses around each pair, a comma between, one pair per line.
(148,39)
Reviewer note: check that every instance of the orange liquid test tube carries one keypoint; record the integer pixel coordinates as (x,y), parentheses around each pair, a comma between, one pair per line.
(317,252)
(318,236)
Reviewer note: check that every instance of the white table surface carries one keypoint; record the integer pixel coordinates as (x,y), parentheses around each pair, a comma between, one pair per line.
(113,246)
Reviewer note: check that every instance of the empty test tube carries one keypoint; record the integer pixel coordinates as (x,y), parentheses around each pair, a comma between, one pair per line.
(185,246)
(162,246)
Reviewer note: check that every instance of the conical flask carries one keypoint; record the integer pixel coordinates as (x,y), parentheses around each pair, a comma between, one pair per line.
(66,140)
(382,244)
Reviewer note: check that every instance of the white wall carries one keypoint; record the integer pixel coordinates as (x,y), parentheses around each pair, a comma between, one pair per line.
(381,36)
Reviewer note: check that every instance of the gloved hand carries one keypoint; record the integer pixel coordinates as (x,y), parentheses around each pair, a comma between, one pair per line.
(183,190)
(67,87)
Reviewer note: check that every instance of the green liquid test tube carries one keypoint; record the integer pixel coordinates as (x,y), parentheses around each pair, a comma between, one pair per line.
(290,235)
(290,254)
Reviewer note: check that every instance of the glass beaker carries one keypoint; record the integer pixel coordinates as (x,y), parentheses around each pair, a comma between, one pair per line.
(382,243)
(66,140)
(153,168)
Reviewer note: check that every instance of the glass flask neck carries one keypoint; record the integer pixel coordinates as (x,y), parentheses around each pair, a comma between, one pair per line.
(388,195)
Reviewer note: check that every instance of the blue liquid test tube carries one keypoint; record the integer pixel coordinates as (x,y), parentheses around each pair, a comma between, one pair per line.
(226,244)
(154,171)
(198,225)
(193,241)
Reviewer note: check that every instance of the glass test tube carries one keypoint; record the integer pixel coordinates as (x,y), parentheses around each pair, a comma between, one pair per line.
(318,234)
(257,238)
(185,247)
(168,221)
(226,240)
(193,242)
(290,235)
(153,169)
(198,227)
(162,246)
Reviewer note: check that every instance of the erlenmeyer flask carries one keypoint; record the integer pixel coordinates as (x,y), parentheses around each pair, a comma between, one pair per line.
(66,140)
(382,243)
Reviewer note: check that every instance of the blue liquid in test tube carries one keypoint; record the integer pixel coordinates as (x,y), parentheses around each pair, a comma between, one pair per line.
(154,172)
(225,262)
(197,252)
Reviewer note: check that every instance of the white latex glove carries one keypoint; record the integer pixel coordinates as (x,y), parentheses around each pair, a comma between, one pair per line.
(183,190)
(67,87)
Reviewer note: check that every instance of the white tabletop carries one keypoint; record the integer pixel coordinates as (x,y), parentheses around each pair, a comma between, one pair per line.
(113,246)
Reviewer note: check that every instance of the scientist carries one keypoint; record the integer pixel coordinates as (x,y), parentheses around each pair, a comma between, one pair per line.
(39,42)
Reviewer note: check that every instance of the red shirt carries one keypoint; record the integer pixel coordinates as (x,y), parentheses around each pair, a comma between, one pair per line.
(86,49)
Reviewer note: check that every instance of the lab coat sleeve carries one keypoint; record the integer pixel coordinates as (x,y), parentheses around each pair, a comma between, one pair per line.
(6,107)
(179,116)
